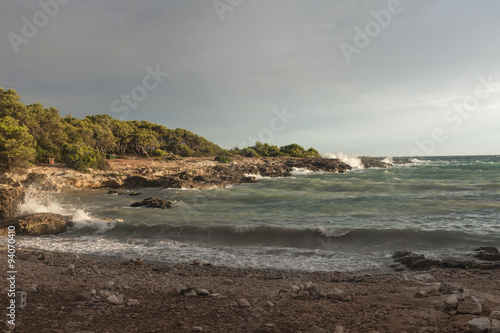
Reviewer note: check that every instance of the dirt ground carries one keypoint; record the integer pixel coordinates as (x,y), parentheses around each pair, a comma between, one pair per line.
(155,297)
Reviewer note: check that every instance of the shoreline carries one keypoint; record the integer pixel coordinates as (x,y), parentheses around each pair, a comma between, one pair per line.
(71,293)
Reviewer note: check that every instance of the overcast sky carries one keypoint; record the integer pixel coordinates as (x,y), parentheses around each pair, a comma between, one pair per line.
(363,77)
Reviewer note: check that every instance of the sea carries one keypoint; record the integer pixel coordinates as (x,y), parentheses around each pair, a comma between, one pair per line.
(313,221)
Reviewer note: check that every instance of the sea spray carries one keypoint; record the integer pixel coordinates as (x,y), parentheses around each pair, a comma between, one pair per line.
(38,201)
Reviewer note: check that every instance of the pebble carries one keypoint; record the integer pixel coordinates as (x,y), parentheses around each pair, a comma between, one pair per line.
(243,303)
(113,299)
(447,288)
(31,289)
(294,289)
(234,304)
(191,293)
(203,292)
(198,262)
(269,304)
(197,329)
(132,301)
(317,329)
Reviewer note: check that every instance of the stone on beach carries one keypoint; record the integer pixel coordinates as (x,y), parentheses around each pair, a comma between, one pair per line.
(243,303)
(479,325)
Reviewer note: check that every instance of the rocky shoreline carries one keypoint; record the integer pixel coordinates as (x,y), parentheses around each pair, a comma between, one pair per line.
(199,173)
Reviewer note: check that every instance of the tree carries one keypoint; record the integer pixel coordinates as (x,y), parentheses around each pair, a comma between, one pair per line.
(16,143)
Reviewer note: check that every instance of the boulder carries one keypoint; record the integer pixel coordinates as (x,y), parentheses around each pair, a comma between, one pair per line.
(153,203)
(488,253)
(479,325)
(40,224)
(495,326)
(469,308)
(10,198)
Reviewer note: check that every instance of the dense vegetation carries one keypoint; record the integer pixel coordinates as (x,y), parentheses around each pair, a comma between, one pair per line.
(32,133)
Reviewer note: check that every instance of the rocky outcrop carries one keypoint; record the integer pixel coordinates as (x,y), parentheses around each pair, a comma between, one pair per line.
(489,253)
(420,262)
(153,203)
(374,162)
(38,224)
(10,198)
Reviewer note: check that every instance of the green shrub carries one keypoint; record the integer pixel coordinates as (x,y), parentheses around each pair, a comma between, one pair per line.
(84,158)
(223,159)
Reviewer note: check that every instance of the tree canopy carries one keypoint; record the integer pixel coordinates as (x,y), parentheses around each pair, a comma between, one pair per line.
(32,133)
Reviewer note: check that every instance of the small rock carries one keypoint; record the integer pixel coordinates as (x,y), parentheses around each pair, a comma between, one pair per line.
(294,289)
(469,307)
(71,267)
(304,295)
(197,329)
(243,303)
(450,303)
(86,296)
(113,299)
(179,290)
(470,298)
(228,282)
(479,325)
(93,292)
(447,288)
(198,262)
(339,329)
(104,293)
(308,285)
(269,304)
(216,296)
(234,304)
(203,292)
(495,314)
(317,329)
(136,261)
(131,302)
(191,293)
(336,294)
(31,289)
(421,294)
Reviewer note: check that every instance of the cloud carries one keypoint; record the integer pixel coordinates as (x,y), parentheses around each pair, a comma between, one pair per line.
(226,77)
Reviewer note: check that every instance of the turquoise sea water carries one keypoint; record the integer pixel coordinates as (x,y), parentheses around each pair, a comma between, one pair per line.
(438,206)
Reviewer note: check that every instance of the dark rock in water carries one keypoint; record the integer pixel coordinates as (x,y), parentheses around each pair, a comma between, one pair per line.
(116,192)
(134,194)
(39,224)
(414,261)
(420,262)
(488,253)
(153,203)
(10,198)
(374,162)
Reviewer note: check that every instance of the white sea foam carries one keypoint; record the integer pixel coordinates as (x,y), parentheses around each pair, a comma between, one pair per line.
(329,156)
(388,160)
(354,162)
(44,202)
(300,171)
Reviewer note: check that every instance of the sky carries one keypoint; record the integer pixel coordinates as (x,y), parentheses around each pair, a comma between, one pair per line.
(379,78)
